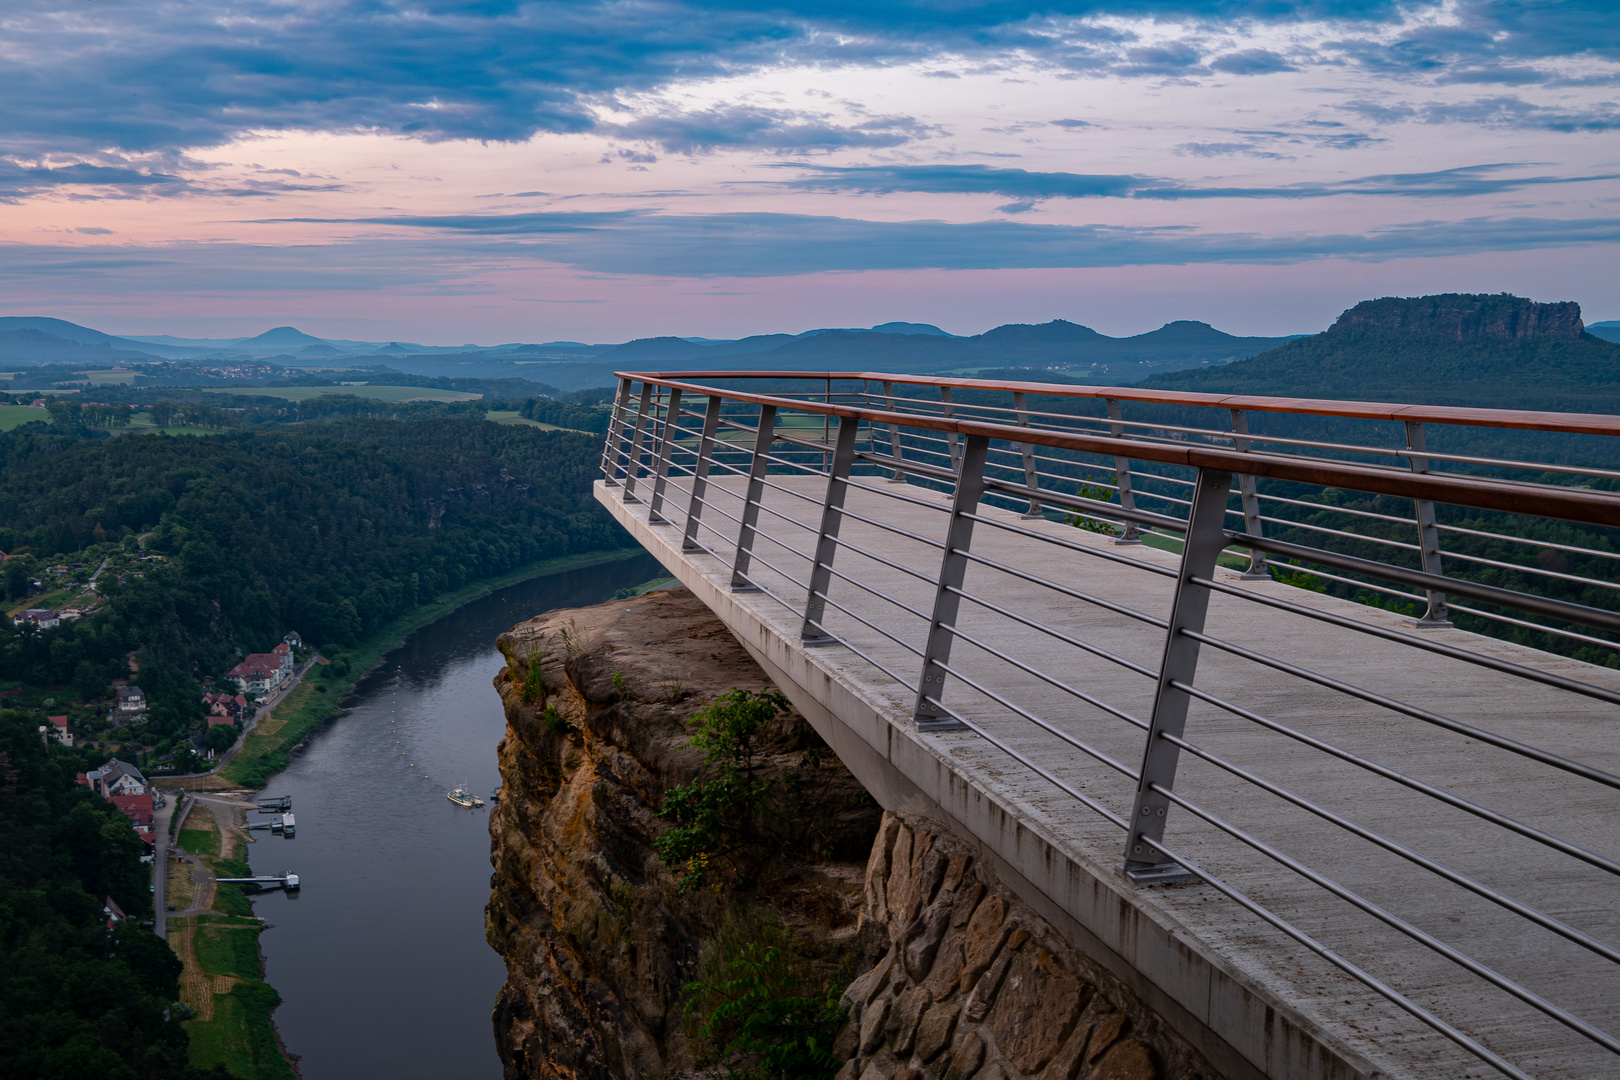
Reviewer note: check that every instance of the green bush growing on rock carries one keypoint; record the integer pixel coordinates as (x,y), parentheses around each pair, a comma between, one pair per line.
(790,1037)
(534,683)
(716,821)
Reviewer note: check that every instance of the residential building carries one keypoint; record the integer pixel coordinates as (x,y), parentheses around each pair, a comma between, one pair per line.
(59,728)
(261,673)
(215,721)
(229,706)
(113,912)
(116,778)
(284,656)
(131,701)
(39,618)
(139,809)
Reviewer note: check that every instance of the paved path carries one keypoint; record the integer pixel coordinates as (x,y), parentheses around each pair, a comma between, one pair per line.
(1579,810)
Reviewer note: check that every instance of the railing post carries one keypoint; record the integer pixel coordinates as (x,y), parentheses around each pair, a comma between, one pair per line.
(1251,500)
(666,441)
(633,466)
(899,476)
(1122,474)
(1428,534)
(1020,403)
(700,473)
(952,572)
(952,442)
(1206,537)
(615,433)
(832,514)
(763,437)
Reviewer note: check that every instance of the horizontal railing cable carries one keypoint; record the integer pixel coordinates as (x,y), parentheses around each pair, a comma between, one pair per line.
(1393,921)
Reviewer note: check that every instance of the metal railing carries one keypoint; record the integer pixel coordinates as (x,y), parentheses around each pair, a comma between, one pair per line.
(925,526)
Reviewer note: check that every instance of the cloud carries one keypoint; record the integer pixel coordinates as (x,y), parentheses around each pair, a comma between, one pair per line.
(1502,111)
(1029,187)
(1251,62)
(18,180)
(149,77)
(754,128)
(769,245)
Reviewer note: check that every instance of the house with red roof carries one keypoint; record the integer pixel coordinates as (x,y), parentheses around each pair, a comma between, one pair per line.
(138,808)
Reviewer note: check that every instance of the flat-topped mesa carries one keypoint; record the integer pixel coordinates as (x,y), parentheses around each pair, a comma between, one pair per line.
(1463,317)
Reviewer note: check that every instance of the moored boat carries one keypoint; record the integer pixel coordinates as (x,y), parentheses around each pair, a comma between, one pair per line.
(462,797)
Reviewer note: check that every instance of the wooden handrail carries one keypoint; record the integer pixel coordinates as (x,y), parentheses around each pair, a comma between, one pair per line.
(1567,504)
(1571,423)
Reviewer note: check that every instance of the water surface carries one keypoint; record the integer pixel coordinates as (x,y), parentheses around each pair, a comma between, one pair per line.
(381,960)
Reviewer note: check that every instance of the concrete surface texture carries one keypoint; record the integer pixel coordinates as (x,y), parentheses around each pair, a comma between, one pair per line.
(1231,978)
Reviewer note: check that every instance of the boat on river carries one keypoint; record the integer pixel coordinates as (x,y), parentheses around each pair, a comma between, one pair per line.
(462,797)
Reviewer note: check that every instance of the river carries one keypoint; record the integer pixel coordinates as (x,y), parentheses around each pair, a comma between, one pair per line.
(381,960)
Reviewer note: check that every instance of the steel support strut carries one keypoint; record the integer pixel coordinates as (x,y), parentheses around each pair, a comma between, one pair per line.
(832,514)
(615,433)
(666,441)
(1020,403)
(899,476)
(700,473)
(1428,535)
(1122,474)
(1206,537)
(952,572)
(952,439)
(763,437)
(1251,500)
(633,465)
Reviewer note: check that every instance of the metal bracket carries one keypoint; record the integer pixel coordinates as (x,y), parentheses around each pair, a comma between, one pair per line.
(763,437)
(1206,537)
(1027,451)
(832,514)
(1122,474)
(1428,535)
(952,572)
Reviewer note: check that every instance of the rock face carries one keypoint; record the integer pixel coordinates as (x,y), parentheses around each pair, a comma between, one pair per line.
(974,985)
(959,980)
(598,940)
(1462,317)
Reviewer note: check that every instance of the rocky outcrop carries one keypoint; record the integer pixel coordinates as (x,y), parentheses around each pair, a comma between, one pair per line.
(1460,317)
(598,938)
(973,985)
(954,978)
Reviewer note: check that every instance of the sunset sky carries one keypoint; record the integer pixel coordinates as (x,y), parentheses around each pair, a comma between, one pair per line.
(450,172)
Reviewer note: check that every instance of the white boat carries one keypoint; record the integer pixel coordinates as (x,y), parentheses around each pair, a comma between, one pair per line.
(462,797)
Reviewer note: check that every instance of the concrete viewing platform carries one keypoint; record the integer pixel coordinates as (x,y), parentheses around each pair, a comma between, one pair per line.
(1251,998)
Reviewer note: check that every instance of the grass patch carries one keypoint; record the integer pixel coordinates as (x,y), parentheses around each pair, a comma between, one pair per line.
(228,948)
(240,1036)
(264,750)
(378,393)
(232,899)
(204,841)
(512,416)
(12,416)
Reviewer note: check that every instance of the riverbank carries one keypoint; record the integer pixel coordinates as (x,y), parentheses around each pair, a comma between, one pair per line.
(265,749)
(216,937)
(213,931)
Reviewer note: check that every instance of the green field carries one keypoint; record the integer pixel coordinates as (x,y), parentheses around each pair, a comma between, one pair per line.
(380,393)
(16,415)
(512,416)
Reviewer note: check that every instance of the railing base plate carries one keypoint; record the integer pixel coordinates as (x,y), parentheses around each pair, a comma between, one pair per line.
(1144,877)
(744,588)
(816,642)
(1259,575)
(1426,623)
(940,723)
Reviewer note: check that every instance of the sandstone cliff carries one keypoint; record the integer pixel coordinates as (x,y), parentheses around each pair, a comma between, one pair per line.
(945,973)
(597,938)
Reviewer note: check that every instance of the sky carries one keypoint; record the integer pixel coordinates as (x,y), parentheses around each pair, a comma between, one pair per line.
(488,171)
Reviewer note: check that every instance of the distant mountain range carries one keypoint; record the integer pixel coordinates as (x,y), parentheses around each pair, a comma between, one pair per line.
(1446,348)
(1077,351)
(1495,351)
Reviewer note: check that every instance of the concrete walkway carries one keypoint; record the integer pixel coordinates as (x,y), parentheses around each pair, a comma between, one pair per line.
(1198,951)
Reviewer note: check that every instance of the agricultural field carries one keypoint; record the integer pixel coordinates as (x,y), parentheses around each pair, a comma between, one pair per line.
(379,393)
(512,416)
(12,416)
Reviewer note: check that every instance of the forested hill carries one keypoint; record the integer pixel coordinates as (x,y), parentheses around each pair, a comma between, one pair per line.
(1494,351)
(330,529)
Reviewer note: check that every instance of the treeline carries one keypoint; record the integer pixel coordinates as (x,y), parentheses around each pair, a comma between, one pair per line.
(78,999)
(331,529)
